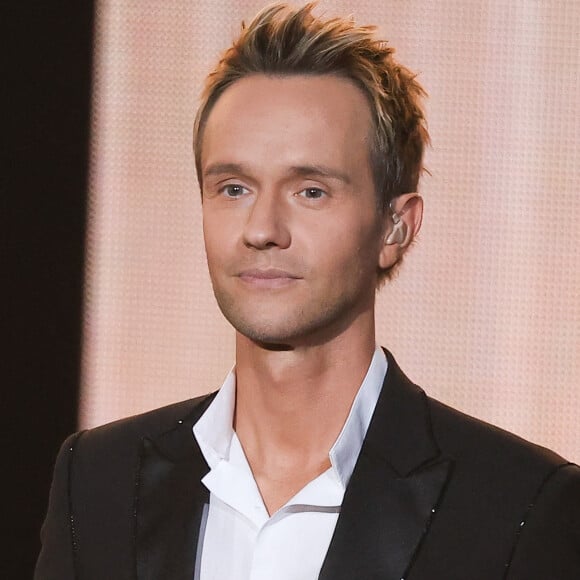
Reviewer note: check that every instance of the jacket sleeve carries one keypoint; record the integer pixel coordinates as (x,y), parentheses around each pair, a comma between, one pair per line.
(56,559)
(548,545)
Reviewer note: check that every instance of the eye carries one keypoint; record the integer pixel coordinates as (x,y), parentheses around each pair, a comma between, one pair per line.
(312,193)
(233,190)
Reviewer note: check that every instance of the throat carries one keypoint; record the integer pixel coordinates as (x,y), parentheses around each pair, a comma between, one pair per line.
(279,484)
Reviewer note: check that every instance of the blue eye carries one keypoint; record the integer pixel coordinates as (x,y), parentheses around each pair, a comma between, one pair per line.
(234,190)
(312,193)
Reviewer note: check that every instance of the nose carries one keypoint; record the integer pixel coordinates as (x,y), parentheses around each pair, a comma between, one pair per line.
(267,223)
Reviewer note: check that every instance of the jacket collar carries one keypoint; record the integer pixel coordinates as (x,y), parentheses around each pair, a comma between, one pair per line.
(170,501)
(395,489)
(400,431)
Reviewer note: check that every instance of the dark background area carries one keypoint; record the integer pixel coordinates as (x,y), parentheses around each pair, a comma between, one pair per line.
(46,64)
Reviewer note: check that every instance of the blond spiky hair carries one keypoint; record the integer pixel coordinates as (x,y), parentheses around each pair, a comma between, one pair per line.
(282,40)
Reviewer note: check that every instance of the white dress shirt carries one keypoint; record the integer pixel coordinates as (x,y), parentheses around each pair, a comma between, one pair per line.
(238,539)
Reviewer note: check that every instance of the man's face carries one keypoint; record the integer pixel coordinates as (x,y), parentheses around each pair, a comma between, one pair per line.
(291,226)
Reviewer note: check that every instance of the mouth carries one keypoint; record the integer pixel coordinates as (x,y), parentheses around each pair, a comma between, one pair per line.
(267,278)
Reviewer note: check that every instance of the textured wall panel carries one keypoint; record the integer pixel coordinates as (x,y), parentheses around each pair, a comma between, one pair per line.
(485,313)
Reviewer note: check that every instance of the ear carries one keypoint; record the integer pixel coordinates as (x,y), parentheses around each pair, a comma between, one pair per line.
(402,224)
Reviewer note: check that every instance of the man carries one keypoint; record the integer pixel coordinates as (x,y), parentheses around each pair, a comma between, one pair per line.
(317,458)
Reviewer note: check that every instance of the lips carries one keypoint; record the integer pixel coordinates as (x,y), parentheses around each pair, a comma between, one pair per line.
(267,274)
(268,277)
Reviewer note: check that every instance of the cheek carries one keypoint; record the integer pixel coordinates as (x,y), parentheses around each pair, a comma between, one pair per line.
(351,250)
(361,238)
(216,224)
(214,239)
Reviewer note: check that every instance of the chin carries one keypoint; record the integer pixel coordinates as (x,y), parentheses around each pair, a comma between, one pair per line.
(284,335)
(267,335)
(283,326)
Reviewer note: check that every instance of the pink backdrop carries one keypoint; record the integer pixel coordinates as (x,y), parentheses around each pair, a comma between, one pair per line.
(485,313)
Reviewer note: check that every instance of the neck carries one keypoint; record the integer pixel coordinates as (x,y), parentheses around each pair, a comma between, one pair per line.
(291,405)
(294,402)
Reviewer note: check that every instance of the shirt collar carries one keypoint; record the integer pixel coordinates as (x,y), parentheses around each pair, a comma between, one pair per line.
(345,451)
(214,430)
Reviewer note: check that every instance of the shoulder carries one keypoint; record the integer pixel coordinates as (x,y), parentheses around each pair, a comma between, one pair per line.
(500,477)
(100,467)
(120,442)
(92,498)
(470,443)
(467,438)
(521,500)
(151,423)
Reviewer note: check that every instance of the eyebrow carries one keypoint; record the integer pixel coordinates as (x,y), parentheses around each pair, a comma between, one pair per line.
(297,170)
(221,168)
(319,171)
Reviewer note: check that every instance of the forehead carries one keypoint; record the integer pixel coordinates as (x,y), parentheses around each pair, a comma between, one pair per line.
(288,119)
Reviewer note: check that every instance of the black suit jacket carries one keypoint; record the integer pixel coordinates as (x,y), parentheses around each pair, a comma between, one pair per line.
(435,494)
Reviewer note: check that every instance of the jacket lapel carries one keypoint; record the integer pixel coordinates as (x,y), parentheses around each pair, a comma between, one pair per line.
(170,500)
(394,491)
